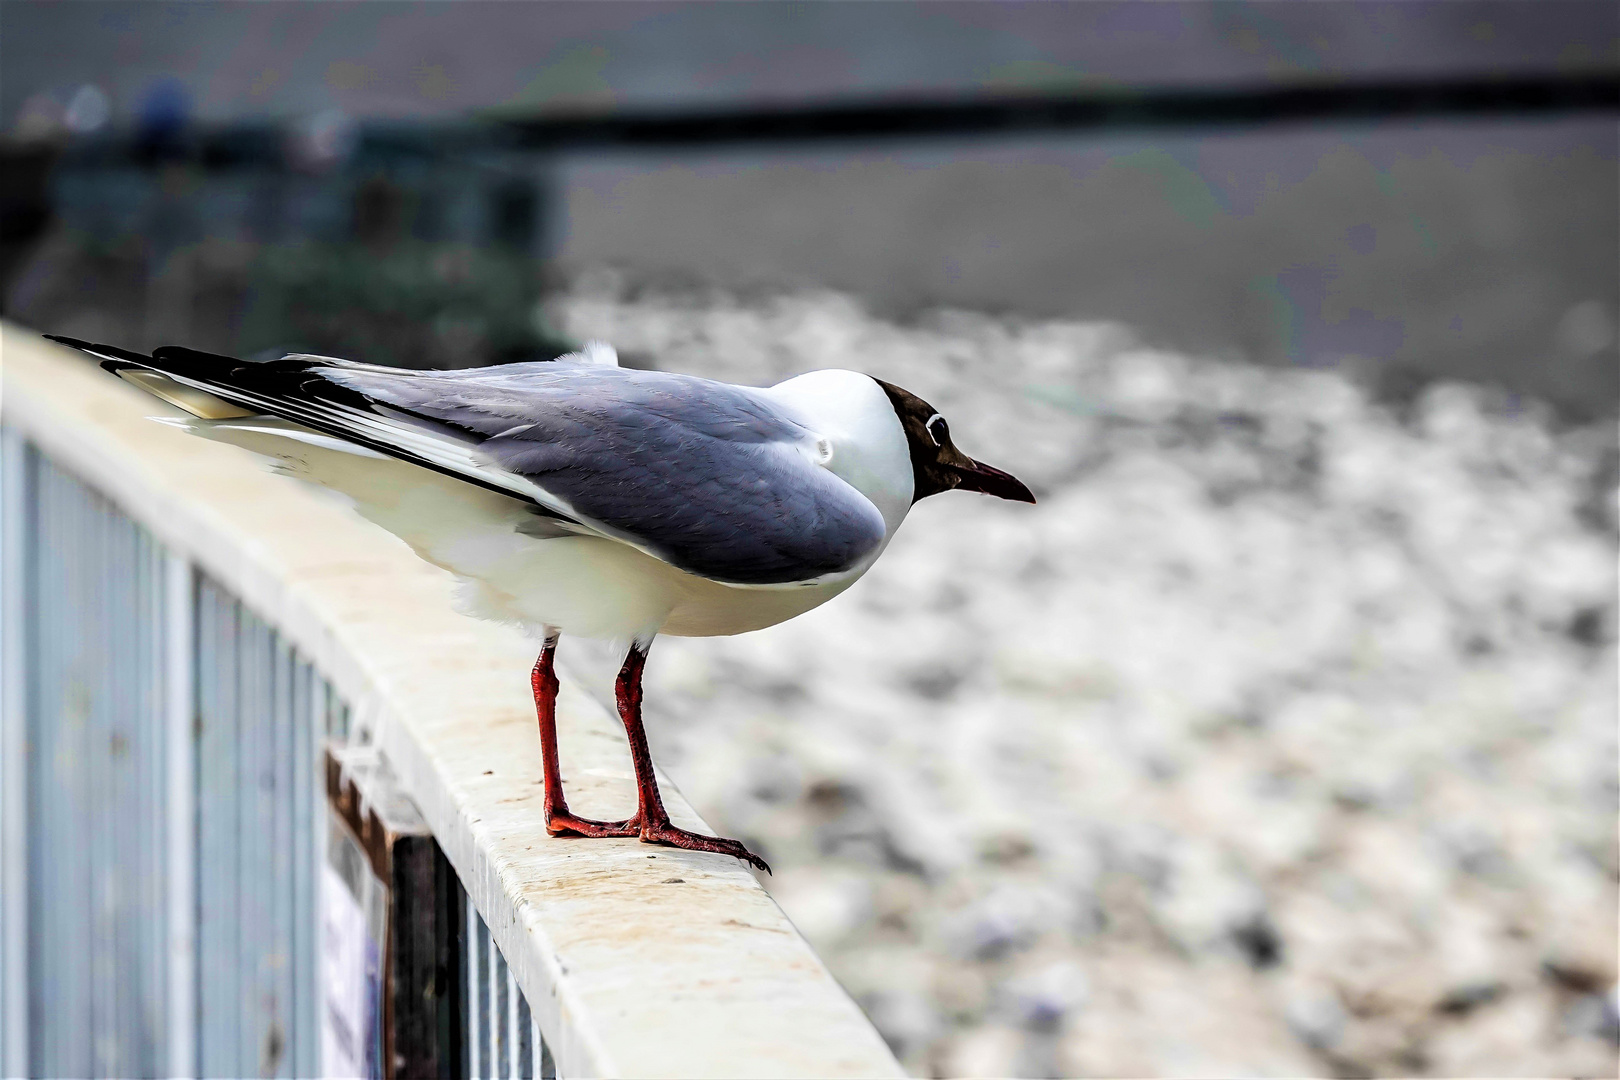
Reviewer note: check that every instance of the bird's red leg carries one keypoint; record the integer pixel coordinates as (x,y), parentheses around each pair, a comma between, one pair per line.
(653,820)
(559,820)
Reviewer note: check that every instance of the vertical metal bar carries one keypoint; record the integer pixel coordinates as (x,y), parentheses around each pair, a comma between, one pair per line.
(157,797)
(90,675)
(104,806)
(254,851)
(18,512)
(486,1014)
(301,1053)
(62,728)
(320,837)
(150,923)
(130,630)
(473,999)
(205,761)
(43,874)
(536,1042)
(245,853)
(279,772)
(180,780)
(79,709)
(143,921)
(509,1021)
(108,801)
(522,1047)
(96,669)
(153,922)
(500,1049)
(129,1043)
(218,835)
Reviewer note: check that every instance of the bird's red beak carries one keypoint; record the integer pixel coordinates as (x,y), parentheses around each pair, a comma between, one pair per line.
(977,476)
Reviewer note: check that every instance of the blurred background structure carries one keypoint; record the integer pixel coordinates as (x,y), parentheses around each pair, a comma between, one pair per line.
(239,153)
(1316,304)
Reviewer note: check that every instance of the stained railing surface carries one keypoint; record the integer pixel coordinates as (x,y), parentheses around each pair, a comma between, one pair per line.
(194,654)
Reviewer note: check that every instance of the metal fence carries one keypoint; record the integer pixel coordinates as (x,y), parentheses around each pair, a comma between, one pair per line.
(95,776)
(161,774)
(506,1040)
(259,712)
(269,807)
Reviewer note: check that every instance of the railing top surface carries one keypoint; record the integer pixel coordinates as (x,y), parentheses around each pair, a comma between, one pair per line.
(638,960)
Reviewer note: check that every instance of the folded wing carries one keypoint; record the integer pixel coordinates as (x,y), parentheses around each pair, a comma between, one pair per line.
(709,477)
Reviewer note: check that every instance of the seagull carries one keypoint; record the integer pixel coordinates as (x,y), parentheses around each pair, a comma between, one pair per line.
(577,496)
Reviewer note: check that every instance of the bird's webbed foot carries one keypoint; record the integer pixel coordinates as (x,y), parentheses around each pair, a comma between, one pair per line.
(565,823)
(665,833)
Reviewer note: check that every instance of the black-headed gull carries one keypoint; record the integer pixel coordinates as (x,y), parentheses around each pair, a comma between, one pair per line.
(575,496)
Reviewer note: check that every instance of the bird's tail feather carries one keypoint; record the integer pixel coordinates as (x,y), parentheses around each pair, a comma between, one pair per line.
(140,370)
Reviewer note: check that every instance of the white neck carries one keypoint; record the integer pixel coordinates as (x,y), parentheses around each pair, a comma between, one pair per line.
(855,417)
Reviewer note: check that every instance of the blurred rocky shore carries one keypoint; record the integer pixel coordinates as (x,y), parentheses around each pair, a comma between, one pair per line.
(1279,739)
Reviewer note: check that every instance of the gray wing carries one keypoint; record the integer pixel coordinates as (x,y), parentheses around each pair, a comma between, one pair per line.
(704,475)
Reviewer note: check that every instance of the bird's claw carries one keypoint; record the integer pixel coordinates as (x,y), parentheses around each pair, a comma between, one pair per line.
(566,823)
(691,841)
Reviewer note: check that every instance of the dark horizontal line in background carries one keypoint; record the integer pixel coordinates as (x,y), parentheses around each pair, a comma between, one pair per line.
(262,143)
(1112,109)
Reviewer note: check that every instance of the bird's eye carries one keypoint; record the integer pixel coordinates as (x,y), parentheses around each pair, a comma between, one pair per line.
(938,429)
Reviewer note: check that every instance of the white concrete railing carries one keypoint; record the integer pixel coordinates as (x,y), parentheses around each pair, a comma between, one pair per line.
(628,973)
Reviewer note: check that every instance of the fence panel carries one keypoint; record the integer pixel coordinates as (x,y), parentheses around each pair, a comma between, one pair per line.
(101,865)
(257,843)
(93,613)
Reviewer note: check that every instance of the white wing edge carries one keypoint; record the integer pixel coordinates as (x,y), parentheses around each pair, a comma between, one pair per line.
(286,429)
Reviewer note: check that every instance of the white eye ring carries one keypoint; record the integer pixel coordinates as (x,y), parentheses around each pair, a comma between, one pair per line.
(939,440)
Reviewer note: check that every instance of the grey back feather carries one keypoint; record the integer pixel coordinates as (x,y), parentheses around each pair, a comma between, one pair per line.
(707,476)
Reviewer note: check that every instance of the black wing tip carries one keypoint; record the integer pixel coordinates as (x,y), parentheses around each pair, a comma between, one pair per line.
(112,357)
(115,359)
(93,347)
(181,352)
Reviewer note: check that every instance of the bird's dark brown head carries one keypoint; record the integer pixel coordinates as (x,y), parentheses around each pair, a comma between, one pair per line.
(936,464)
